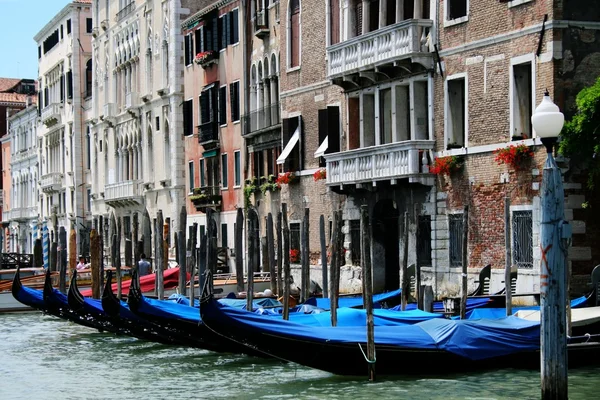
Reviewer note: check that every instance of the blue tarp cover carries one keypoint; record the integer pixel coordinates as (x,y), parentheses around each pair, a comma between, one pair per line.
(31,297)
(351,301)
(169,309)
(475,339)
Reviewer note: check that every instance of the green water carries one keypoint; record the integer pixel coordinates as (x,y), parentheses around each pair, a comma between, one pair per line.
(42,357)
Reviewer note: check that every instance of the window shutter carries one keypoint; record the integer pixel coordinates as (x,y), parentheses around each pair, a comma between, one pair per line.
(235,29)
(62,88)
(188,125)
(70,85)
(187,49)
(359,21)
(333,121)
(215,32)
(223,105)
(222,37)
(198,40)
(227,26)
(204,110)
(232,100)
(323,125)
(39,103)
(208,36)
(214,102)
(45,97)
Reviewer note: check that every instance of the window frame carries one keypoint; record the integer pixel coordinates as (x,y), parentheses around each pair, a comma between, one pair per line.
(464,76)
(202,172)
(224,110)
(513,210)
(455,21)
(191,172)
(237,169)
(289,67)
(224,171)
(515,61)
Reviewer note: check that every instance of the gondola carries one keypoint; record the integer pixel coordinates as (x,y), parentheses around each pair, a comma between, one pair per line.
(182,322)
(427,348)
(133,324)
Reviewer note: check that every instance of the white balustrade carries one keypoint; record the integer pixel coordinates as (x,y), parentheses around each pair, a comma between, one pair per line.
(51,113)
(122,190)
(131,99)
(110,110)
(52,180)
(383,45)
(389,161)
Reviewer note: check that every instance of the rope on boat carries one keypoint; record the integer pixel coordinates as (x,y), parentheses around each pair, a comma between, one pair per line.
(365,356)
(587,336)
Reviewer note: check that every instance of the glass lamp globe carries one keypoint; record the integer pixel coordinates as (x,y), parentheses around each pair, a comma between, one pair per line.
(547,120)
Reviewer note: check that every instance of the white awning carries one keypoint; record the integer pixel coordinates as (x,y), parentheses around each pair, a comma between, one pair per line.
(322,147)
(289,146)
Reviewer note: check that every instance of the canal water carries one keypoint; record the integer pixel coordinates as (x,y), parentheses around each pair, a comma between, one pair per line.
(42,357)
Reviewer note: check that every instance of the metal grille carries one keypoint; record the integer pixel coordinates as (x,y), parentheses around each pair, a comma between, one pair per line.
(522,227)
(424,241)
(455,227)
(355,241)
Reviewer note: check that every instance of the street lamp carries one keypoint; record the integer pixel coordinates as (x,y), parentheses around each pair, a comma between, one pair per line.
(547,121)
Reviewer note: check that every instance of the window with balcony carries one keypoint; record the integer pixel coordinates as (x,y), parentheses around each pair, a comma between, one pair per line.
(199,40)
(456,111)
(51,41)
(209,113)
(202,173)
(522,238)
(521,101)
(294,34)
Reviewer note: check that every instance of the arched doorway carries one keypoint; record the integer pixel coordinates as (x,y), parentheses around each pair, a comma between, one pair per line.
(386,258)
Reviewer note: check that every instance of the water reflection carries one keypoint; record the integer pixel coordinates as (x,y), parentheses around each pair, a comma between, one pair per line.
(46,358)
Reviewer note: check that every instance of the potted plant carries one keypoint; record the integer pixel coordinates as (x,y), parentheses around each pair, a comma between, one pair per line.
(446,165)
(206,58)
(286,178)
(320,174)
(515,156)
(268,183)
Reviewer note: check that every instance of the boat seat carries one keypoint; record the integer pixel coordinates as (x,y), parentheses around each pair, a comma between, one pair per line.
(596,284)
(485,276)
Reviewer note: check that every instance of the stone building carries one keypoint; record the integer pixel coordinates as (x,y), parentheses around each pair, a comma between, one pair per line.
(136,119)
(65,80)
(214,99)
(20,209)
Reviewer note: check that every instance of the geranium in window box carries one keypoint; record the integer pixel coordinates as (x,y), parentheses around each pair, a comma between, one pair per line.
(294,256)
(206,58)
(446,165)
(320,174)
(286,178)
(515,156)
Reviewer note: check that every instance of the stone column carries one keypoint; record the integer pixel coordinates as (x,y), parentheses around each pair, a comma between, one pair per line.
(365,16)
(399,10)
(383,13)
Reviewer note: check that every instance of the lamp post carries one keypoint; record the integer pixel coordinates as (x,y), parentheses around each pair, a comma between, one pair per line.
(547,121)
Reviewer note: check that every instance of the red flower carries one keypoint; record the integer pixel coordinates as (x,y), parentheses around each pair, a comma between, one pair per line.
(445,165)
(294,255)
(515,156)
(286,178)
(320,174)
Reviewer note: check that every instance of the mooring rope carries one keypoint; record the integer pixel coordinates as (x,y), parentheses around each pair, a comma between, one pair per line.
(365,356)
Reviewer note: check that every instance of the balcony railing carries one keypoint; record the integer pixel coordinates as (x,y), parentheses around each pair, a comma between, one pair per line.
(23,213)
(125,11)
(370,164)
(52,181)
(261,23)
(110,110)
(262,118)
(23,155)
(51,114)
(208,132)
(126,191)
(206,197)
(394,42)
(131,100)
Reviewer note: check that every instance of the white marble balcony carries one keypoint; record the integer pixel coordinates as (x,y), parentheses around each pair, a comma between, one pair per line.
(368,165)
(51,182)
(123,193)
(51,114)
(404,40)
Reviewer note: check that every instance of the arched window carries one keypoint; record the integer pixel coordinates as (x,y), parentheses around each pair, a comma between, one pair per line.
(88,78)
(294,34)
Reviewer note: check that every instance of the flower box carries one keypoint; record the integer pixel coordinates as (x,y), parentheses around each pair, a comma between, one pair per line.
(446,165)
(517,157)
(320,174)
(286,178)
(206,58)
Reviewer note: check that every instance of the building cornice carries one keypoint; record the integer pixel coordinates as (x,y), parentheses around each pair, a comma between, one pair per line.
(57,18)
(504,37)
(190,21)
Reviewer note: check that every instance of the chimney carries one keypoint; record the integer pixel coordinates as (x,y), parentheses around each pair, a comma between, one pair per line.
(29,101)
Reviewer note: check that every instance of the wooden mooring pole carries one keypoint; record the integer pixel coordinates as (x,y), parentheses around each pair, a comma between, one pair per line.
(160,255)
(252,249)
(465,264)
(271,252)
(405,278)
(286,262)
(279,255)
(365,251)
(323,256)
(305,256)
(95,263)
(507,262)
(335,265)
(239,250)
(419,289)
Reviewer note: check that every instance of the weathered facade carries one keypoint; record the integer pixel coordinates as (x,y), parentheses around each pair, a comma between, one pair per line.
(136,123)
(214,99)
(64,64)
(20,175)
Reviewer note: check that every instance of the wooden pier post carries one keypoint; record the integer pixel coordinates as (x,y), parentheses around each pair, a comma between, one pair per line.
(147,235)
(335,265)
(305,256)
(160,255)
(239,250)
(114,254)
(286,262)
(54,257)
(465,264)
(507,258)
(417,263)
(193,263)
(95,263)
(181,246)
(62,258)
(271,251)
(135,225)
(405,278)
(427,298)
(365,251)
(323,256)
(128,252)
(252,244)
(279,255)
(38,254)
(202,262)
(166,236)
